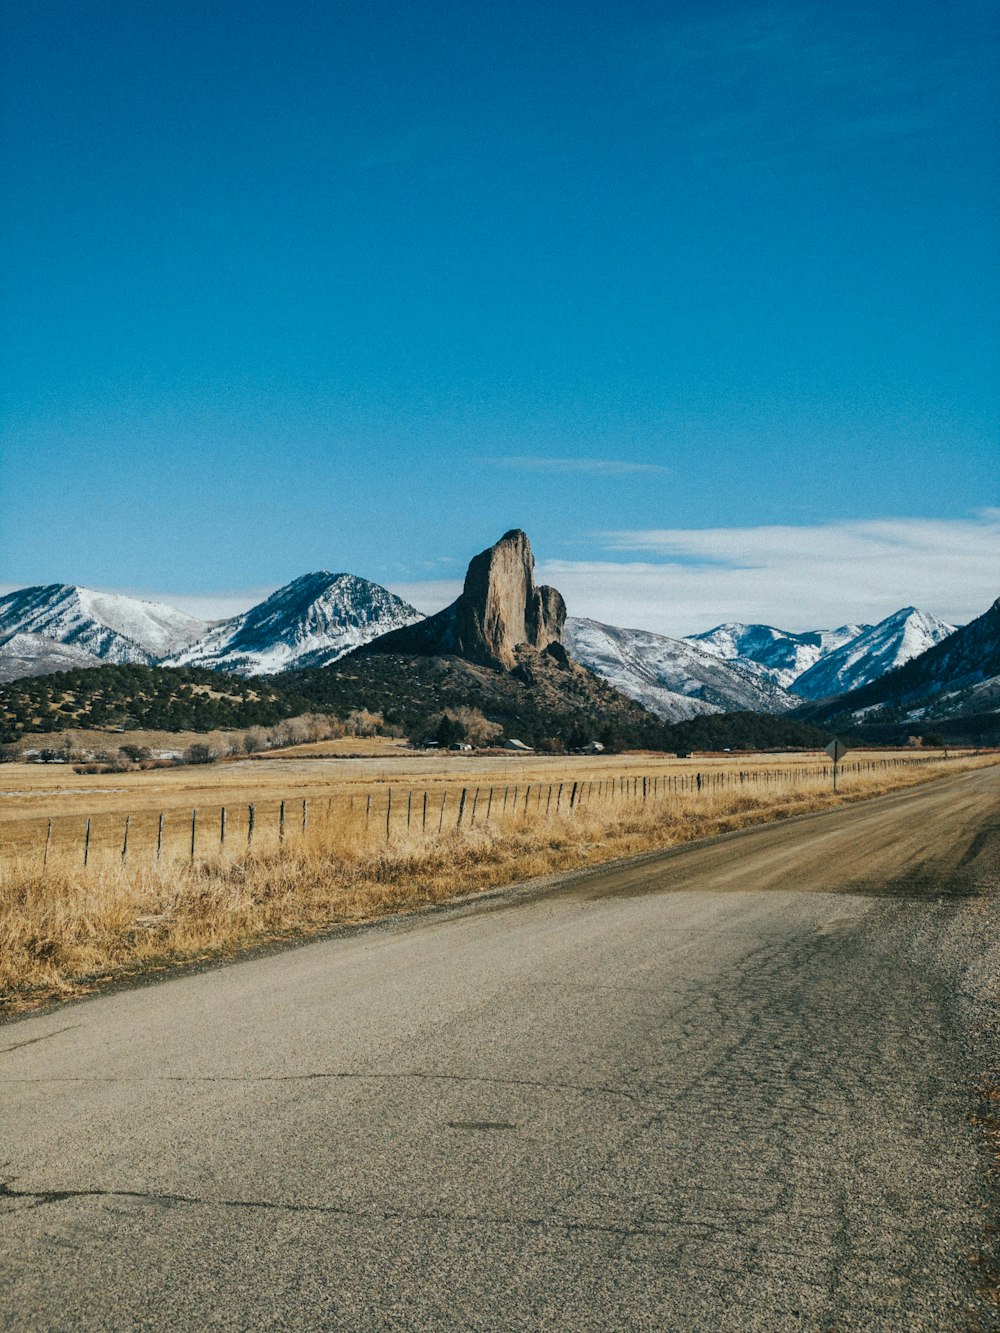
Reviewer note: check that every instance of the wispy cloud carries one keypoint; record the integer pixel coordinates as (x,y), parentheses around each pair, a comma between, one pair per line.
(608,467)
(799,578)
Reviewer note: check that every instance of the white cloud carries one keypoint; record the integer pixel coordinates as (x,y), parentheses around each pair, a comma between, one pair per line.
(796,577)
(607,467)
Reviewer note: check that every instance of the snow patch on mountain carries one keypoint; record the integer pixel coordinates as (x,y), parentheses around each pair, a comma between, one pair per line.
(33,655)
(781,655)
(673,678)
(310,622)
(900,637)
(110,627)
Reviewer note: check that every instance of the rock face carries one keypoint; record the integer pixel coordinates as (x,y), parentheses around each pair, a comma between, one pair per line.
(500,610)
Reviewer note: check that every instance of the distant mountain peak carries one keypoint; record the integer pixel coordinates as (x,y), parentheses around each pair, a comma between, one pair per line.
(105,626)
(898,638)
(781,654)
(954,678)
(312,621)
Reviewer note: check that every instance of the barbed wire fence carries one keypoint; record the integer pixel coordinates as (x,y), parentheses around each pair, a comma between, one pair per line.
(385,811)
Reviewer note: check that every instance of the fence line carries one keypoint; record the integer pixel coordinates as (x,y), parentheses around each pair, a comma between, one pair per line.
(487,805)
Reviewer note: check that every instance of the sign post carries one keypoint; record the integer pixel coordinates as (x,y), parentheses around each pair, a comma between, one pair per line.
(836,750)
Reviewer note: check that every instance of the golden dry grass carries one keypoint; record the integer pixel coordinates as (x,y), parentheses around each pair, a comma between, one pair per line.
(65,930)
(33,794)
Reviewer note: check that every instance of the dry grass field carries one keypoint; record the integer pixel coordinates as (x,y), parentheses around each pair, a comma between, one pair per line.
(50,804)
(382,833)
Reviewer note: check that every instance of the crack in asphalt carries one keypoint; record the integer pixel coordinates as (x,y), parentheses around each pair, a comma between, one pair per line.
(32,1040)
(345,1075)
(42,1198)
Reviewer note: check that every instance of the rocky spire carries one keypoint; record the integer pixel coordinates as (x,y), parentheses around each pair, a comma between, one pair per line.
(500,610)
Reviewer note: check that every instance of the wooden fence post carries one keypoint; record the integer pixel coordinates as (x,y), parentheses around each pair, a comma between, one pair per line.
(128,820)
(305,814)
(409,805)
(368,808)
(388,815)
(86,843)
(444,798)
(222,827)
(489,805)
(48,839)
(251,820)
(194,816)
(159,836)
(461,807)
(281,822)
(475,802)
(423,826)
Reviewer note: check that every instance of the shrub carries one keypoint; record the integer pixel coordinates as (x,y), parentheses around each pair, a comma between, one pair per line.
(200,754)
(134,753)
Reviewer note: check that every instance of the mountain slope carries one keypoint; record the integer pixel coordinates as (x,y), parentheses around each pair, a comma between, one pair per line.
(126,696)
(109,627)
(24,654)
(310,622)
(673,678)
(880,648)
(958,677)
(780,654)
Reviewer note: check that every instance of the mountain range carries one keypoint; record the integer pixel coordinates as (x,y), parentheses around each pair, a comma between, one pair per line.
(320,617)
(820,663)
(92,627)
(958,677)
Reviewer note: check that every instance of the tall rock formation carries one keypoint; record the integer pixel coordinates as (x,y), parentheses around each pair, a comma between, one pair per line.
(500,610)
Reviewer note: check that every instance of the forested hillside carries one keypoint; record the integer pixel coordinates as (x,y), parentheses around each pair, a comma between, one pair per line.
(134,697)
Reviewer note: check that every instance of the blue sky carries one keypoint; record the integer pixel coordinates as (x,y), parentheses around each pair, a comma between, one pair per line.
(359,287)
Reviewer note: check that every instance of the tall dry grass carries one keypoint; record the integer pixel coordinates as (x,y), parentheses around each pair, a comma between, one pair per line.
(65,931)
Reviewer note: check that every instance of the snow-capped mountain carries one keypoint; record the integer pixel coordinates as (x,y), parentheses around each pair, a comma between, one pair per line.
(897,639)
(674,678)
(310,622)
(105,627)
(954,678)
(782,655)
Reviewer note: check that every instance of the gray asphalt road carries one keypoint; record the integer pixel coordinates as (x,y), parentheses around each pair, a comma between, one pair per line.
(725,1089)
